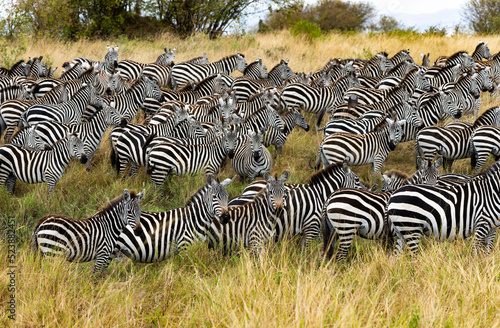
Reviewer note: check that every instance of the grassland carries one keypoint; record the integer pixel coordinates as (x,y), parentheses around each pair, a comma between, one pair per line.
(444,286)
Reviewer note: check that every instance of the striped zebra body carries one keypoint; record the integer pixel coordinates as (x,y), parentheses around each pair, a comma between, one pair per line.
(441,76)
(485,140)
(261,119)
(15,92)
(376,66)
(212,84)
(317,100)
(250,158)
(361,149)
(461,58)
(453,144)
(446,212)
(162,234)
(110,60)
(466,93)
(251,225)
(72,73)
(395,75)
(12,110)
(184,73)
(245,87)
(37,68)
(18,69)
(168,158)
(69,112)
(29,138)
(261,98)
(158,73)
(89,239)
(256,70)
(39,166)
(363,124)
(277,138)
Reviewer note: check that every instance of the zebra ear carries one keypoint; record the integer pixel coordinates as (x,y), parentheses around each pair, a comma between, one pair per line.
(421,55)
(268,177)
(227,182)
(174,50)
(386,178)
(126,195)
(284,177)
(345,165)
(401,122)
(140,195)
(486,43)
(388,120)
(116,48)
(109,48)
(438,162)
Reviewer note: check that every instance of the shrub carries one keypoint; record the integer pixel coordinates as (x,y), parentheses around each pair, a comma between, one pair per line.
(311,30)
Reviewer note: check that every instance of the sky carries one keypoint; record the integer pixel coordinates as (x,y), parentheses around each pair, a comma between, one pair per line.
(418,13)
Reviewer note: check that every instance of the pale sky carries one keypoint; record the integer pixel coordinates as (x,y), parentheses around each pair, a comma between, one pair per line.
(394,7)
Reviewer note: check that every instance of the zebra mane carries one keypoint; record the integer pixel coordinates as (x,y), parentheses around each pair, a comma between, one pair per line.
(249,66)
(456,54)
(16,64)
(382,124)
(196,195)
(318,177)
(275,67)
(396,174)
(495,56)
(86,72)
(483,117)
(253,96)
(112,203)
(398,66)
(19,131)
(383,53)
(11,87)
(408,74)
(230,56)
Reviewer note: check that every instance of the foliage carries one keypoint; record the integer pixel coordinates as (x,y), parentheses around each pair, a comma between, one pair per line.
(436,30)
(483,15)
(286,15)
(387,24)
(303,27)
(10,55)
(341,15)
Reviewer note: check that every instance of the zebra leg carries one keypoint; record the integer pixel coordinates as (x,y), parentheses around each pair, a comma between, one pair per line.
(10,183)
(413,240)
(346,237)
(311,231)
(133,169)
(489,240)
(483,230)
(329,236)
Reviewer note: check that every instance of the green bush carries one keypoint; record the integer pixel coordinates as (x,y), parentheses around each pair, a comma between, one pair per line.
(311,30)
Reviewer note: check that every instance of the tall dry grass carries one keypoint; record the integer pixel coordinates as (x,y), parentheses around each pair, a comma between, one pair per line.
(287,286)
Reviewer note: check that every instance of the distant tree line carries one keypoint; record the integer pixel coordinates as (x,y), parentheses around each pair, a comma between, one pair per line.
(73,19)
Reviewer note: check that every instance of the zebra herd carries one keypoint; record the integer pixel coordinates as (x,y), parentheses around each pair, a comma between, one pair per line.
(197,115)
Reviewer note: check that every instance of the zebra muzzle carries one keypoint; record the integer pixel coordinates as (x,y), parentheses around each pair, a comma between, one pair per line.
(224,218)
(123,122)
(83,159)
(256,156)
(230,154)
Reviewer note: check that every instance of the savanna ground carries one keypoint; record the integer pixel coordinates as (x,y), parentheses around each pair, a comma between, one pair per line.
(444,285)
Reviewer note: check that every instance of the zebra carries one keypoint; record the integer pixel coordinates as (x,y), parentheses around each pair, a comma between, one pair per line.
(263,97)
(452,143)
(184,73)
(252,224)
(165,233)
(317,100)
(446,212)
(443,75)
(39,166)
(244,88)
(215,83)
(362,149)
(90,132)
(29,138)
(167,158)
(15,92)
(376,66)
(481,51)
(110,60)
(69,112)
(394,76)
(37,68)
(131,70)
(277,138)
(89,239)
(199,60)
(485,140)
(261,119)
(18,69)
(394,179)
(348,212)
(250,158)
(73,72)
(11,110)
(256,70)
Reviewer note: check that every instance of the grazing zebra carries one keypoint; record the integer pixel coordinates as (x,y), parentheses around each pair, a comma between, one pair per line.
(277,138)
(167,158)
(362,149)
(250,158)
(89,239)
(317,100)
(485,140)
(446,212)
(452,143)
(15,92)
(69,112)
(110,60)
(162,234)
(244,87)
(39,166)
(349,212)
(252,224)
(18,69)
(11,110)
(131,70)
(184,73)
(443,75)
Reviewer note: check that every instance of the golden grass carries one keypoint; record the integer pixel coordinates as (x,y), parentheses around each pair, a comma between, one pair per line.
(442,286)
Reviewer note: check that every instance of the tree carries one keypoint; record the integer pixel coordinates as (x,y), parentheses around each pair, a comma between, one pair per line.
(483,15)
(387,24)
(340,15)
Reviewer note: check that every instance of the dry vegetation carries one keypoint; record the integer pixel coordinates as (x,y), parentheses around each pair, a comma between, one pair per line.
(442,286)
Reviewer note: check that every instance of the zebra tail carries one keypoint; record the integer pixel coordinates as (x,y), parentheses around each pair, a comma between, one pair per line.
(318,160)
(113,155)
(473,158)
(148,141)
(170,81)
(34,240)
(3,125)
(329,234)
(320,118)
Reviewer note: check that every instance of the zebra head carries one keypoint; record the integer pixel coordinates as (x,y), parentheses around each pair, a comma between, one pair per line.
(255,144)
(350,179)
(76,149)
(286,72)
(277,192)
(352,80)
(448,106)
(181,113)
(421,81)
(112,117)
(485,80)
(216,198)
(496,117)
(220,86)
(410,114)
(384,63)
(300,120)
(111,58)
(482,51)
(426,62)
(241,63)
(30,139)
(230,138)
(152,90)
(195,129)
(26,93)
(274,119)
(95,98)
(132,208)
(167,58)
(226,104)
(467,61)
(395,131)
